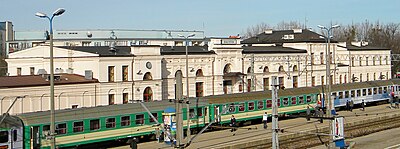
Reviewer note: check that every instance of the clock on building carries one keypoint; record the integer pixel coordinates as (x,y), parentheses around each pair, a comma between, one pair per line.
(148,65)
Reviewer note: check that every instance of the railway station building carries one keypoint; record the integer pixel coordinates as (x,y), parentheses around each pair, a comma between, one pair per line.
(129,73)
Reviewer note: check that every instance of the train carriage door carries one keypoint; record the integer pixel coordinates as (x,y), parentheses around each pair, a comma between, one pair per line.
(35,137)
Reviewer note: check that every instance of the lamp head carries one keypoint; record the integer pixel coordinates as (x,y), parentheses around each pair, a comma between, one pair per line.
(321,27)
(59,11)
(41,15)
(179,35)
(191,35)
(336,26)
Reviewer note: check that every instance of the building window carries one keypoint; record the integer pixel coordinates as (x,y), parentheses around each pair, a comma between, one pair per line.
(240,88)
(32,70)
(139,119)
(95,124)
(295,80)
(155,116)
(345,78)
(373,61)
(313,81)
(111,73)
(312,58)
(124,73)
(199,89)
(331,79)
(248,85)
(19,70)
(322,80)
(340,79)
(360,61)
(281,83)
(374,76)
(266,70)
(352,61)
(125,121)
(61,128)
(111,99)
(78,126)
(321,56)
(367,76)
(366,61)
(361,79)
(147,76)
(387,60)
(74,106)
(125,98)
(266,84)
(380,60)
(110,123)
(147,94)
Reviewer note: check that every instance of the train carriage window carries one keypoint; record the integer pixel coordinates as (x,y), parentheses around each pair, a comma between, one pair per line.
(358,93)
(46,129)
(347,94)
(78,126)
(279,102)
(385,88)
(294,101)
(364,92)
(61,128)
(380,90)
(375,90)
(308,98)
(340,95)
(241,107)
(232,108)
(224,109)
(199,112)
(3,136)
(95,124)
(398,88)
(352,93)
(269,103)
(15,135)
(250,106)
(156,116)
(260,104)
(191,113)
(125,121)
(334,94)
(301,99)
(369,91)
(139,119)
(285,101)
(110,123)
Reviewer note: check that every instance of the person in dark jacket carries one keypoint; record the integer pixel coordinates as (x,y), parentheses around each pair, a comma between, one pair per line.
(233,123)
(363,105)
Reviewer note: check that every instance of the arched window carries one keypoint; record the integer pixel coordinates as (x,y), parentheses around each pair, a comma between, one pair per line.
(340,79)
(147,94)
(147,76)
(199,73)
(281,69)
(266,69)
(227,68)
(249,70)
(295,68)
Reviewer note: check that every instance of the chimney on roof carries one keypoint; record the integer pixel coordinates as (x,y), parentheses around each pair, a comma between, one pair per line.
(297,30)
(112,47)
(88,74)
(70,71)
(268,31)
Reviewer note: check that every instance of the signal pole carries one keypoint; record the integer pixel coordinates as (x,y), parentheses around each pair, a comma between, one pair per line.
(275,139)
(178,100)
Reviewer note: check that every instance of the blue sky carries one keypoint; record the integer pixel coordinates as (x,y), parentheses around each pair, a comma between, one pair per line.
(215,17)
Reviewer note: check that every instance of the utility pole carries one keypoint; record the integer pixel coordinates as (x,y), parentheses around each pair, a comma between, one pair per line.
(275,139)
(253,77)
(178,100)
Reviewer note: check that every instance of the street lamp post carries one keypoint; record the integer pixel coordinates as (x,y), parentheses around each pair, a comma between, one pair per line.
(328,73)
(58,12)
(187,83)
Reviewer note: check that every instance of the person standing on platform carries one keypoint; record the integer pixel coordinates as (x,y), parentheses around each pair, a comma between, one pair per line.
(363,105)
(308,113)
(233,123)
(265,120)
(351,105)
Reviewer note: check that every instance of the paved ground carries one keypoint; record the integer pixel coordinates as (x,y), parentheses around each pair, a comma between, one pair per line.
(225,137)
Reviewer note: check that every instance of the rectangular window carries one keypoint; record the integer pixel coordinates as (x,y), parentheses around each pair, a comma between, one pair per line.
(293,101)
(352,61)
(32,70)
(248,85)
(111,99)
(125,99)
(19,71)
(199,111)
(199,89)
(369,91)
(266,84)
(358,93)
(364,92)
(347,94)
(251,106)
(125,121)
(281,83)
(110,123)
(241,107)
(61,128)
(269,103)
(366,61)
(95,124)
(308,98)
(78,126)
(301,100)
(260,105)
(295,82)
(46,128)
(375,90)
(321,55)
(191,113)
(313,81)
(111,73)
(340,95)
(312,58)
(124,73)
(139,119)
(285,101)
(155,116)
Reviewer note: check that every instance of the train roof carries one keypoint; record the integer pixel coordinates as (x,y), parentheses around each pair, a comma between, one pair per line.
(260,95)
(97,112)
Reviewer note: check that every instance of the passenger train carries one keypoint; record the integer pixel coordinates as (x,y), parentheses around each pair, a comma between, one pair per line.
(82,127)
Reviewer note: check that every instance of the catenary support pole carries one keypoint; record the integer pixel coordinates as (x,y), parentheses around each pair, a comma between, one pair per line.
(275,128)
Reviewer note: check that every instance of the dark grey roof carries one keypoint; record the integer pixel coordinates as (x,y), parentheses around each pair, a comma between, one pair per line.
(361,48)
(278,37)
(103,51)
(180,50)
(271,49)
